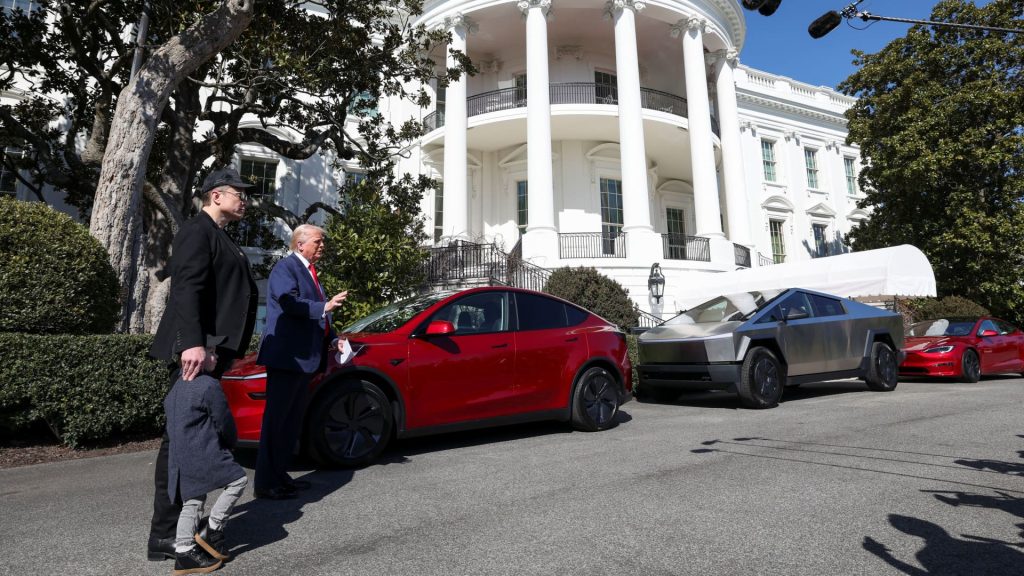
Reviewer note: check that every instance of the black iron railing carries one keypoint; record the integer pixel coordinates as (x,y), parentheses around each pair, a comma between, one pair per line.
(461,262)
(682,247)
(591,245)
(763,260)
(566,93)
(742,255)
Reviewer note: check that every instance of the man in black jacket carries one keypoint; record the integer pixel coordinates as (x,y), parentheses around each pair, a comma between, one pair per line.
(212,292)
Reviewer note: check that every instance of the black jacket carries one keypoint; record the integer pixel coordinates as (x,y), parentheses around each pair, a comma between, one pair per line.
(212,292)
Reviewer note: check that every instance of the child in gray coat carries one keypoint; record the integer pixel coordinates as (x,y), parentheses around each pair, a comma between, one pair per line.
(201,431)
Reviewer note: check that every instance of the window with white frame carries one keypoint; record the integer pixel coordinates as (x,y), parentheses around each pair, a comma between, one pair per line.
(353,178)
(611,213)
(363,105)
(438,214)
(520,82)
(675,220)
(26,6)
(811,162)
(820,239)
(522,205)
(263,175)
(768,160)
(851,175)
(775,230)
(8,171)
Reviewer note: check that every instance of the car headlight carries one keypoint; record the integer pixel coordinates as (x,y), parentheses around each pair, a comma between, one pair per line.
(939,350)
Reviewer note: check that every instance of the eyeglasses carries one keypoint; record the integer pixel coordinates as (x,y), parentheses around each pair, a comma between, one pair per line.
(241,195)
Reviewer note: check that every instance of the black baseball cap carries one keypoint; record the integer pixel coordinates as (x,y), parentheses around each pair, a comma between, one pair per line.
(224,177)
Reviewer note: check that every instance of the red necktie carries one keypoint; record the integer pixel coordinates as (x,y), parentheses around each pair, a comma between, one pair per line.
(316,280)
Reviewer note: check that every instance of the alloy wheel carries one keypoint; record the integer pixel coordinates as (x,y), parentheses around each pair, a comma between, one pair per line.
(355,425)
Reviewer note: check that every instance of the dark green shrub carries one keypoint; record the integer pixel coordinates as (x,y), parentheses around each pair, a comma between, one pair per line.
(54,277)
(596,292)
(85,388)
(946,307)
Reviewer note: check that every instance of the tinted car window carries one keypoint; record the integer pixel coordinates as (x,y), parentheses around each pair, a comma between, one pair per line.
(539,313)
(391,317)
(478,313)
(575,315)
(987,325)
(795,307)
(1005,327)
(941,327)
(824,306)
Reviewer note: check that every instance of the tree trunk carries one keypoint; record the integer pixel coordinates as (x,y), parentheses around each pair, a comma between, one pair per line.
(117,208)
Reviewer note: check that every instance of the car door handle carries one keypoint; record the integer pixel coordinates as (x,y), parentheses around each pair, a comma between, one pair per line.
(573,339)
(505,345)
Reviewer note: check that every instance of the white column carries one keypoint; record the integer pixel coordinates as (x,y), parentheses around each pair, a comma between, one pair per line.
(732,154)
(456,191)
(635,205)
(702,153)
(541,237)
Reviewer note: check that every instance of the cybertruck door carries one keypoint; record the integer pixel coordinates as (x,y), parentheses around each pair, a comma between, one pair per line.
(804,339)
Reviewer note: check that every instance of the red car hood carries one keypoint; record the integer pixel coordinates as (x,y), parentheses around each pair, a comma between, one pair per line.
(921,343)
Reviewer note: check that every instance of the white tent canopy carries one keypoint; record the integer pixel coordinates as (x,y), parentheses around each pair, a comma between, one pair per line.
(897,271)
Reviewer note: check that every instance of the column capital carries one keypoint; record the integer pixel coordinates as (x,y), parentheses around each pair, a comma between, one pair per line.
(525,5)
(691,23)
(730,57)
(460,20)
(613,6)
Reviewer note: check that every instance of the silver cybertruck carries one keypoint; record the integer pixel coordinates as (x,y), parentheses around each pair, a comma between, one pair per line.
(757,343)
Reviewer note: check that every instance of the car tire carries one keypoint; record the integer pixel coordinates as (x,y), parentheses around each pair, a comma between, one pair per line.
(970,367)
(762,378)
(350,425)
(595,401)
(883,368)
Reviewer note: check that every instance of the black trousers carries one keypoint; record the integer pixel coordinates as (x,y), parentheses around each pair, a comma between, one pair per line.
(287,392)
(165,512)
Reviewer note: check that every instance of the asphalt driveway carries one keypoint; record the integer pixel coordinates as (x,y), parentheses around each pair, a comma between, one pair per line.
(928,479)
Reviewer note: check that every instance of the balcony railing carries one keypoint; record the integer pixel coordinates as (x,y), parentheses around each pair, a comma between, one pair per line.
(461,262)
(742,255)
(682,247)
(566,93)
(591,245)
(763,260)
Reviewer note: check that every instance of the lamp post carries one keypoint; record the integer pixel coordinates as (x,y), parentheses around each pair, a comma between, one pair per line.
(656,282)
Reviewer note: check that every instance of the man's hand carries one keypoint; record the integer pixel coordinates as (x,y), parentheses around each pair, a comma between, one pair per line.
(192,362)
(335,301)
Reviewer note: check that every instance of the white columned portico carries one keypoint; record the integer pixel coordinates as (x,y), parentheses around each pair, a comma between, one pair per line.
(635,206)
(541,238)
(702,153)
(732,155)
(456,191)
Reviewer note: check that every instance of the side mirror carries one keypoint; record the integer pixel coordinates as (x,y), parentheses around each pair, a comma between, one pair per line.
(440,328)
(987,333)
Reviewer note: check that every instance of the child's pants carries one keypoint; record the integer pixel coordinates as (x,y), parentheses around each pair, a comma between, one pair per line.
(192,512)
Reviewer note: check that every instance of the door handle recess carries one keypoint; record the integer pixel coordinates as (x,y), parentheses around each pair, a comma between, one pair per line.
(573,339)
(505,345)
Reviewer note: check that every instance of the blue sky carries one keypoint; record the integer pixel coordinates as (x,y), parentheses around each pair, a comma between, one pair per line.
(780,44)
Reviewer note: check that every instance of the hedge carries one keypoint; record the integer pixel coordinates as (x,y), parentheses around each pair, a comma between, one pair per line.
(596,292)
(85,388)
(54,277)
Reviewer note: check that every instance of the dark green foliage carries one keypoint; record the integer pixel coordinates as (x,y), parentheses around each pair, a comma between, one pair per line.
(634,358)
(940,121)
(54,276)
(947,307)
(374,250)
(596,292)
(85,388)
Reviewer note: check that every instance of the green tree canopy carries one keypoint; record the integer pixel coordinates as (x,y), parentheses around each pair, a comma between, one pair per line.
(940,123)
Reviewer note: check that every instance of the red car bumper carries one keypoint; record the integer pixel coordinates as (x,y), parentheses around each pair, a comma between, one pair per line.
(922,364)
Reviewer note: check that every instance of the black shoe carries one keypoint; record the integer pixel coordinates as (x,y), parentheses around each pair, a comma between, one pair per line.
(160,548)
(195,561)
(296,485)
(279,493)
(212,540)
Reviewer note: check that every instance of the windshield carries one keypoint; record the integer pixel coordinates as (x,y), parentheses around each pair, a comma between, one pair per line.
(739,306)
(942,327)
(391,317)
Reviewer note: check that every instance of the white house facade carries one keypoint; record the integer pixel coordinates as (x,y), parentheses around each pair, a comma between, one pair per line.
(614,135)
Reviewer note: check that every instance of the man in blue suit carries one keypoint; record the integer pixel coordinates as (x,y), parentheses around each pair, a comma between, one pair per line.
(297,339)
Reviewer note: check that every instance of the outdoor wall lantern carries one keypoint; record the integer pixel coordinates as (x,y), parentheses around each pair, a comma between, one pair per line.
(656,282)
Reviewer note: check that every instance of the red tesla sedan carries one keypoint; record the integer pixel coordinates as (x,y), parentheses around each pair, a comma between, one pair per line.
(449,361)
(963,348)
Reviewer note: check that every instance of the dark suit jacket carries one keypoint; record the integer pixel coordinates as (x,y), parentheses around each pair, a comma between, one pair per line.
(212,292)
(295,338)
(201,431)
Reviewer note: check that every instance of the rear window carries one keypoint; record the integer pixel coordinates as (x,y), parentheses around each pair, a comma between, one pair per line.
(540,313)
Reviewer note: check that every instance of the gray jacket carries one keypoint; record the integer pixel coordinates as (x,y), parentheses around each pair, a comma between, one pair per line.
(201,430)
